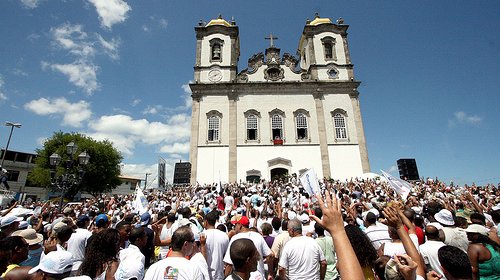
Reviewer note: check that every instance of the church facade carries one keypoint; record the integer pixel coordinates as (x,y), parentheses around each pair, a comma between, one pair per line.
(283,114)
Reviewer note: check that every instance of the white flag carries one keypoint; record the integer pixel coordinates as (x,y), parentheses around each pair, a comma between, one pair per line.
(310,182)
(400,186)
(140,202)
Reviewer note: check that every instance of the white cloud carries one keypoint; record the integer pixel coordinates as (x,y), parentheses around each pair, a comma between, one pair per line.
(461,117)
(110,47)
(80,74)
(41,141)
(392,169)
(188,101)
(145,28)
(126,132)
(83,71)
(73,113)
(3,96)
(175,148)
(139,170)
(163,23)
(111,11)
(30,4)
(135,102)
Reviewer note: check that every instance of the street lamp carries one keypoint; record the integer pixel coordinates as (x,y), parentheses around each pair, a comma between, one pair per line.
(12,125)
(68,179)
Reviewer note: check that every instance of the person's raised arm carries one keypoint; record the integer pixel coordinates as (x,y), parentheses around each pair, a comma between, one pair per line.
(347,264)
(393,219)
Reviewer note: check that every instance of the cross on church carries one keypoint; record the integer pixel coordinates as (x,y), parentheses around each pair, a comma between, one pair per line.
(271,38)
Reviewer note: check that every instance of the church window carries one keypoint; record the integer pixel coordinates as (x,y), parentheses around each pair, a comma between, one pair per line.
(213,128)
(329,48)
(216,49)
(301,129)
(277,127)
(340,126)
(252,127)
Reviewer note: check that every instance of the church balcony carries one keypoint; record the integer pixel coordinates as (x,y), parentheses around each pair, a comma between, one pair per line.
(277,142)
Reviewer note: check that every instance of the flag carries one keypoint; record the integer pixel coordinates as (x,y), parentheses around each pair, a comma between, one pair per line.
(162,167)
(141,202)
(310,182)
(400,186)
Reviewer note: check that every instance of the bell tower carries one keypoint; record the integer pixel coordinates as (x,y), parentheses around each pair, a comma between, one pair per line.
(324,52)
(217,51)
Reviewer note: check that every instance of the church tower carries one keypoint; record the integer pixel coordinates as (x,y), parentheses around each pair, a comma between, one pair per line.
(282,114)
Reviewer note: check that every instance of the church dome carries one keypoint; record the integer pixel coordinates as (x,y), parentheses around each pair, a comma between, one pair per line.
(218,21)
(317,20)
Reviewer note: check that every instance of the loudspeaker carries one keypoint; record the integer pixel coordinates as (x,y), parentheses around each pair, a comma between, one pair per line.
(182,173)
(408,169)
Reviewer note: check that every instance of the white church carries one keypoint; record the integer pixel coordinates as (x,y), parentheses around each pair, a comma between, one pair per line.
(283,114)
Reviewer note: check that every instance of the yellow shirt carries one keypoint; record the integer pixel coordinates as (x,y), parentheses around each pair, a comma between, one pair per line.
(9,268)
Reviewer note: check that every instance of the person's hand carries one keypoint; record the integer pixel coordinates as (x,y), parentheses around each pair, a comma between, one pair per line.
(203,239)
(406,266)
(332,215)
(50,245)
(432,275)
(392,218)
(157,228)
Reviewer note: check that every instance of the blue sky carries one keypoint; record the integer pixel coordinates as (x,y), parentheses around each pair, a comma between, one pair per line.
(119,70)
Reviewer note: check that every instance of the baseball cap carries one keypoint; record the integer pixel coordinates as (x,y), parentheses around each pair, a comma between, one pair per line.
(304,218)
(101,220)
(145,218)
(55,262)
(239,219)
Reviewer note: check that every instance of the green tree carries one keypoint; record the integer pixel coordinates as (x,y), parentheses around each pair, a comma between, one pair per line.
(100,175)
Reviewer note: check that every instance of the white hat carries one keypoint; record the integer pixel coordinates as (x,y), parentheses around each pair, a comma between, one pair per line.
(29,235)
(291,215)
(304,218)
(444,217)
(10,219)
(55,262)
(474,228)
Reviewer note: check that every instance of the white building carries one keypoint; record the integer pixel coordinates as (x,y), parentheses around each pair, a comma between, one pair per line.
(280,115)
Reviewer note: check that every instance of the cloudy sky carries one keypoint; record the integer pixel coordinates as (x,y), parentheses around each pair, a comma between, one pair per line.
(120,70)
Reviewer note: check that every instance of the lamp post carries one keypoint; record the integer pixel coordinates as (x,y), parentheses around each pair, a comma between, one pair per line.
(68,179)
(12,125)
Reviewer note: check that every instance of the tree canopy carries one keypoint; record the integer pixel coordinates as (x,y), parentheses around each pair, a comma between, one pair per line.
(100,174)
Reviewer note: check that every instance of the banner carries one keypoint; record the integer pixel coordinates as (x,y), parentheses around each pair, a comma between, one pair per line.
(162,167)
(141,202)
(400,186)
(309,181)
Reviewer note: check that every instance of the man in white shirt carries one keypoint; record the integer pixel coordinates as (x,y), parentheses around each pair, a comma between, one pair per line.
(302,257)
(242,231)
(378,233)
(131,259)
(216,244)
(175,265)
(429,250)
(78,241)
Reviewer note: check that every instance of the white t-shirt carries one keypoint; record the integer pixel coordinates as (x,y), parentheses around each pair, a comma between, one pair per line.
(228,201)
(259,243)
(429,252)
(173,268)
(217,244)
(166,233)
(301,257)
(76,246)
(199,260)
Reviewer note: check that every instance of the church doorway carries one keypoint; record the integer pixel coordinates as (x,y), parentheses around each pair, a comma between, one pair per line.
(278,173)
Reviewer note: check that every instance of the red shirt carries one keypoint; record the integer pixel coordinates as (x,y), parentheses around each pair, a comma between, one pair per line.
(420,234)
(220,203)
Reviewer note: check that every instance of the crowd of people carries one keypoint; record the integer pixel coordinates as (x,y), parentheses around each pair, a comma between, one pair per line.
(357,229)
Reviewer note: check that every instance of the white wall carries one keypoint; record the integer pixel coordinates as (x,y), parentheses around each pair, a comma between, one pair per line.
(212,164)
(345,161)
